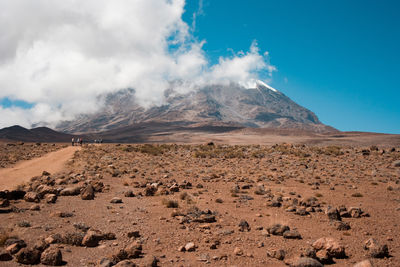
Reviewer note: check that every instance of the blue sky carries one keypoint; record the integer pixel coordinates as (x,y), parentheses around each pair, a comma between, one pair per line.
(339,58)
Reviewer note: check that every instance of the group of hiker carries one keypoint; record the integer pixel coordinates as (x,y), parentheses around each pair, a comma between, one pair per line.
(78,141)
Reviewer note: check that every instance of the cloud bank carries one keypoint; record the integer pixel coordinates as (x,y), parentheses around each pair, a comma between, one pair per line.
(61,55)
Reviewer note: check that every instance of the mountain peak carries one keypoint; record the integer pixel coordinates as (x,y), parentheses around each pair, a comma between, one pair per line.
(255,104)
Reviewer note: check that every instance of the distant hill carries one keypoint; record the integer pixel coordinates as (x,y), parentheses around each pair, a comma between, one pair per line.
(39,134)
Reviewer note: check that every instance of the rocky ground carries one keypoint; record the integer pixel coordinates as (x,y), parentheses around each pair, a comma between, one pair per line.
(193,205)
(10,153)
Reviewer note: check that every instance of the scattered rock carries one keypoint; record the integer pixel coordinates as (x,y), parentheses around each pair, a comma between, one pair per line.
(5,255)
(125,263)
(87,193)
(4,203)
(32,197)
(129,193)
(71,191)
(92,238)
(277,254)
(51,198)
(333,214)
(244,226)
(342,226)
(333,247)
(376,250)
(238,251)
(277,229)
(134,234)
(51,256)
(364,263)
(291,234)
(306,262)
(133,250)
(396,163)
(190,247)
(28,256)
(116,200)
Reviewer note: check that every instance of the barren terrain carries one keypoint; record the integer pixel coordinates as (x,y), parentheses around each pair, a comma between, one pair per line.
(215,204)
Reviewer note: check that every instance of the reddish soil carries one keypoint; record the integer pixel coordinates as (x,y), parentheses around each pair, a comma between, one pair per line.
(218,187)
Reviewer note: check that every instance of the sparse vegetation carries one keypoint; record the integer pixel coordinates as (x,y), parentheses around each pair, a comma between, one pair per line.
(169,203)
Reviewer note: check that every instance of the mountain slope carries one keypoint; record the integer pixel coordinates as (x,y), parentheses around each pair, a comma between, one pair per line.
(259,105)
(40,134)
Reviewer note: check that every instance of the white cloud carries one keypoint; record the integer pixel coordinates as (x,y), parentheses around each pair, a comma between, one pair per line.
(60,55)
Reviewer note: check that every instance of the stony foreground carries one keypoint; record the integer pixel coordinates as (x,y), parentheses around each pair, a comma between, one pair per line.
(193,205)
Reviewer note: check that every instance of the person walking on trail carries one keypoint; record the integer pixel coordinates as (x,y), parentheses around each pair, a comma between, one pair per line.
(73,140)
(80,141)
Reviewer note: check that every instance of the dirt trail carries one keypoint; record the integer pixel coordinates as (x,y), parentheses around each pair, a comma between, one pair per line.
(23,171)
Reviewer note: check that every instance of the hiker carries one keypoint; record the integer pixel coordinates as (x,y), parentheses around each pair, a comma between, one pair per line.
(73,140)
(80,141)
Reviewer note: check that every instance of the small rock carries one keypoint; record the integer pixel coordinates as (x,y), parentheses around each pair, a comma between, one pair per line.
(364,263)
(244,226)
(125,263)
(71,191)
(396,163)
(5,255)
(238,251)
(324,256)
(87,193)
(116,200)
(133,250)
(342,226)
(277,254)
(190,247)
(4,203)
(333,247)
(92,238)
(134,234)
(151,261)
(291,234)
(34,207)
(51,198)
(32,197)
(51,256)
(333,214)
(129,193)
(306,262)
(376,250)
(277,229)
(28,256)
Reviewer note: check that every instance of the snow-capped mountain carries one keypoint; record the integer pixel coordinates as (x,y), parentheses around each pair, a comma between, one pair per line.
(251,104)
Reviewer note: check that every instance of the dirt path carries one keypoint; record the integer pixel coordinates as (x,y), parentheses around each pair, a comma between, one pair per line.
(23,171)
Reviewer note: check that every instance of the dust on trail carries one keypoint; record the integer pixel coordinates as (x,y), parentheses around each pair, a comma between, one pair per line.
(23,171)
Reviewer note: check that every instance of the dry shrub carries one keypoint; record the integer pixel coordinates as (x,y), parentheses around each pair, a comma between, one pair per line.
(169,203)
